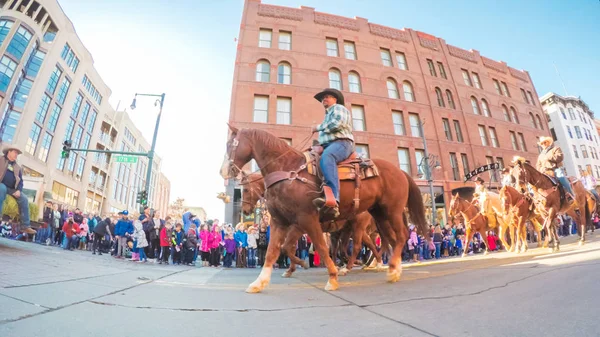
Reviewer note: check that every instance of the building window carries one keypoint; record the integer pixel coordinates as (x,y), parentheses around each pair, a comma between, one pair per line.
(22,92)
(450,99)
(571,114)
(483,136)
(493,173)
(392,88)
(475,105)
(404,160)
(62,92)
(497,86)
(442,70)
(401,60)
(7,70)
(54,118)
(335,79)
(530,97)
(494,137)
(84,115)
(522,142)
(592,152)
(263,71)
(419,155)
(285,40)
(513,114)
(349,50)
(386,58)
(447,130)
(35,63)
(53,82)
(261,109)
(43,109)
(354,82)
(92,121)
(264,38)
(284,110)
(457,130)
(362,150)
(332,47)
(575,151)
(358,118)
(505,89)
(465,163)
(584,152)
(562,112)
(69,56)
(431,68)
(440,97)
(19,43)
(513,140)
(540,122)
(284,73)
(34,136)
(408,91)
(5,27)
(466,77)
(532,120)
(485,108)
(454,165)
(476,80)
(524,96)
(45,148)
(578,132)
(398,121)
(63,194)
(415,125)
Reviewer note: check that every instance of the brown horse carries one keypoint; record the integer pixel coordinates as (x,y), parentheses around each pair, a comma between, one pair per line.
(517,207)
(591,208)
(289,202)
(547,199)
(359,228)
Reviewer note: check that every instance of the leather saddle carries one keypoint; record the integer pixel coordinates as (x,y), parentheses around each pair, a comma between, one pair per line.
(560,187)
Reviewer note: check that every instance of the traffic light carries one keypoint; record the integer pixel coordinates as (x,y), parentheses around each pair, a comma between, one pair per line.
(142,198)
(66,148)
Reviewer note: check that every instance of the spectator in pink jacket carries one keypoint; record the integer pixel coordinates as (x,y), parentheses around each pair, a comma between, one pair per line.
(204,245)
(214,242)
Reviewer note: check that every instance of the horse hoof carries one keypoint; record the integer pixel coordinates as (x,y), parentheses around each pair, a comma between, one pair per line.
(393,276)
(581,243)
(331,285)
(287,274)
(464,255)
(381,267)
(343,271)
(305,265)
(254,288)
(486,253)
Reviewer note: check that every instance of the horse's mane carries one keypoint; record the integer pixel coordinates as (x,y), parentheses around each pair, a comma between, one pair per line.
(272,142)
(540,173)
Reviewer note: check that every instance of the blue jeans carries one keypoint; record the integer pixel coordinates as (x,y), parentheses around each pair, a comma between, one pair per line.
(22,202)
(438,246)
(335,152)
(563,181)
(595,193)
(251,257)
(142,254)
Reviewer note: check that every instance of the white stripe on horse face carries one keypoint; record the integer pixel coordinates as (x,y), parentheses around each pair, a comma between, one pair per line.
(225,167)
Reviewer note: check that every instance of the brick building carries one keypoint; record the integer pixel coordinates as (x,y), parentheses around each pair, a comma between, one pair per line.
(475,110)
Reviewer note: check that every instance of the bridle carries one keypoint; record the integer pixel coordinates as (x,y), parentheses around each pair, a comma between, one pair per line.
(234,170)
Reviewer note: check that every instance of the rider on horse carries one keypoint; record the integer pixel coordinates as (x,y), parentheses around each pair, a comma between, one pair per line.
(481,195)
(589,182)
(335,135)
(550,162)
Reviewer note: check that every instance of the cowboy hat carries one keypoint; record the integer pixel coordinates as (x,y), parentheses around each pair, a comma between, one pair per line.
(333,92)
(10,148)
(479,179)
(545,139)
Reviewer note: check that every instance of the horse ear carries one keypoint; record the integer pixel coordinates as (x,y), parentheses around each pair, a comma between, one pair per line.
(232,128)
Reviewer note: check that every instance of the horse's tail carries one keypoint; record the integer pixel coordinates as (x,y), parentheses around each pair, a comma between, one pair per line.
(416,209)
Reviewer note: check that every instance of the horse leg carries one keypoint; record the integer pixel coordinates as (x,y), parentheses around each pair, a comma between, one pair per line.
(356,247)
(467,241)
(369,243)
(554,229)
(395,266)
(310,223)
(524,245)
(289,247)
(273,250)
(502,226)
(484,239)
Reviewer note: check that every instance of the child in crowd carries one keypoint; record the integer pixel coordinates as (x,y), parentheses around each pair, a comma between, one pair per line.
(459,245)
(177,239)
(204,245)
(229,250)
(214,241)
(165,243)
(190,245)
(140,242)
(6,227)
(241,241)
(252,244)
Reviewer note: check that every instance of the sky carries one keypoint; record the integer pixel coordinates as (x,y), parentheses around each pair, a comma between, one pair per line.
(186,49)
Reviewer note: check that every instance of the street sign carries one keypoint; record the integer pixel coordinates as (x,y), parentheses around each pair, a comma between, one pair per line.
(126,159)
(481,169)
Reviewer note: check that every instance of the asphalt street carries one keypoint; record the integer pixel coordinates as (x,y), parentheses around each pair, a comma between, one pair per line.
(45,291)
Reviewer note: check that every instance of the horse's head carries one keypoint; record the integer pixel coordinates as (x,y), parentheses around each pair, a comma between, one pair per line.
(505,199)
(519,172)
(252,191)
(454,206)
(239,153)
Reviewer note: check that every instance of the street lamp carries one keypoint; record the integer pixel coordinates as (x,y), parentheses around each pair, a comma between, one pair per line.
(160,101)
(429,162)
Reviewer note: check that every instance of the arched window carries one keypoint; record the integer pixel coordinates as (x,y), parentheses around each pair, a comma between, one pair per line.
(505,113)
(335,79)
(540,122)
(513,114)
(354,82)
(284,73)
(263,71)
(533,123)
(392,88)
(450,99)
(475,106)
(440,97)
(408,91)
(485,108)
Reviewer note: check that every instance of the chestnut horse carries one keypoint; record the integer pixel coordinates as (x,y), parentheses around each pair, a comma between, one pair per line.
(476,222)
(385,197)
(517,207)
(546,197)
(591,208)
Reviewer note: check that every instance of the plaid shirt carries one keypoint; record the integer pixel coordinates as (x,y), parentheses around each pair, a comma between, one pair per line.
(337,125)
